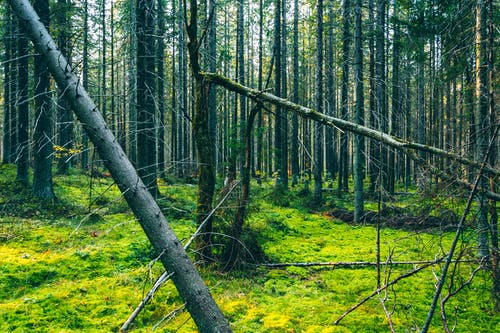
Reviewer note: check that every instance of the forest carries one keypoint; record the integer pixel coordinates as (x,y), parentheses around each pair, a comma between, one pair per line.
(249,166)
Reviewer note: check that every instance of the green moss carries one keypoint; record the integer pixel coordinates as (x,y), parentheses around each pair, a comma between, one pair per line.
(68,269)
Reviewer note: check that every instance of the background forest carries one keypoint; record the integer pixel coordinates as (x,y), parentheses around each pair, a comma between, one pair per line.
(306,152)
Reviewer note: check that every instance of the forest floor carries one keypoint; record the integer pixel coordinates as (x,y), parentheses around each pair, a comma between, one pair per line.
(82,263)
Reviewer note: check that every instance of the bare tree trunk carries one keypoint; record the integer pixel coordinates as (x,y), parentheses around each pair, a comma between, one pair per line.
(359,117)
(42,136)
(199,302)
(318,128)
(22,152)
(343,185)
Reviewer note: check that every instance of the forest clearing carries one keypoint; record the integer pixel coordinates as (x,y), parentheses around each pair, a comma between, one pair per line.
(222,166)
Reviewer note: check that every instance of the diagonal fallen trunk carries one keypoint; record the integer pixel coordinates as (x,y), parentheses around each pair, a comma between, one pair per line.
(341,124)
(186,278)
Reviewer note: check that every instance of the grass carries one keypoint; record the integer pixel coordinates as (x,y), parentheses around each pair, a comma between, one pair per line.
(65,267)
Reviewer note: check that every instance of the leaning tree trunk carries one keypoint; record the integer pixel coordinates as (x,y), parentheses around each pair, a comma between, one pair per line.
(195,293)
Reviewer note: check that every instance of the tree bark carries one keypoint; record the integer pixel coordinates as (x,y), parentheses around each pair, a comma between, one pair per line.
(146,115)
(343,183)
(318,127)
(203,140)
(359,117)
(8,77)
(42,136)
(22,151)
(199,301)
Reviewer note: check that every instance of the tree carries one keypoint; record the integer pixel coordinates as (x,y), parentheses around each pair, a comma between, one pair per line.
(202,137)
(343,185)
(294,154)
(359,117)
(42,136)
(64,115)
(199,302)
(160,83)
(7,105)
(318,128)
(22,152)
(146,124)
(482,121)
(279,164)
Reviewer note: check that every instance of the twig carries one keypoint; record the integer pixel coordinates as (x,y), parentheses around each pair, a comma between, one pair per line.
(387,314)
(162,279)
(453,246)
(450,294)
(170,315)
(387,285)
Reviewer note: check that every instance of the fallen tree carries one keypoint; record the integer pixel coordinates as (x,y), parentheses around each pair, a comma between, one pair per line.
(199,302)
(341,124)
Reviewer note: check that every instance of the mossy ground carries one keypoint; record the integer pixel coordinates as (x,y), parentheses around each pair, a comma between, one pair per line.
(82,264)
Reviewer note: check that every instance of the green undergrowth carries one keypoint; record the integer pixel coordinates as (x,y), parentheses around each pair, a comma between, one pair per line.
(82,264)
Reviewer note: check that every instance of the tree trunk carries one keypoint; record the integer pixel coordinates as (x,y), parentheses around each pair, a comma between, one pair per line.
(8,77)
(359,117)
(132,84)
(294,154)
(199,302)
(146,132)
(343,184)
(318,128)
(483,122)
(160,90)
(277,91)
(42,136)
(85,76)
(22,152)
(64,115)
(203,140)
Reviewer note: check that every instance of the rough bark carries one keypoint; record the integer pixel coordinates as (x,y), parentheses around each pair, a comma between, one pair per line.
(7,105)
(294,154)
(359,118)
(199,302)
(64,116)
(146,115)
(42,136)
(22,152)
(343,183)
(318,127)
(203,140)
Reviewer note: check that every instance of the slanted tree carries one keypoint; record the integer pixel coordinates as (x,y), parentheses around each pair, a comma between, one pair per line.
(42,135)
